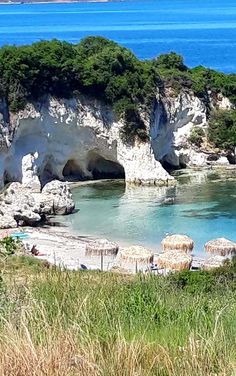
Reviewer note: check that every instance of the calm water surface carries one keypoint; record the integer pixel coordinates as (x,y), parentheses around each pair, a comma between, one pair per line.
(203,31)
(204,207)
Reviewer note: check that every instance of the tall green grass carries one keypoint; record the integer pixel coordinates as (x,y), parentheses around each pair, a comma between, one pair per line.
(55,322)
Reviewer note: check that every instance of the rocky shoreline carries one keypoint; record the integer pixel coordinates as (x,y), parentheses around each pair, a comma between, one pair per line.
(23,205)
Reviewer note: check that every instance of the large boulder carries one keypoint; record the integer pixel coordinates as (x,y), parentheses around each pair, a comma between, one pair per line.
(58,194)
(18,203)
(7,221)
(21,206)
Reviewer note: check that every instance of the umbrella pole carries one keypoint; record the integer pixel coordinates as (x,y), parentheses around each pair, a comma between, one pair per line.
(102,261)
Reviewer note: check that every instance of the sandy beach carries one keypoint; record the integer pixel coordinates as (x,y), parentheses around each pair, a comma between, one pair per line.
(61,247)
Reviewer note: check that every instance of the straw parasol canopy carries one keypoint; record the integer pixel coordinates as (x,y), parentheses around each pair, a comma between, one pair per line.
(213,262)
(220,246)
(135,254)
(101,247)
(177,242)
(174,260)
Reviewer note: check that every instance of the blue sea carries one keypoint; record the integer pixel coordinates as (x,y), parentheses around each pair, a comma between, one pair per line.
(203,31)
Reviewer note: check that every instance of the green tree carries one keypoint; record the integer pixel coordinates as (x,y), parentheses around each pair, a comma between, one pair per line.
(222,129)
(170,61)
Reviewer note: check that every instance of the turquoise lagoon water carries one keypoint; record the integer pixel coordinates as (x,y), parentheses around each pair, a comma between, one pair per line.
(203,31)
(202,205)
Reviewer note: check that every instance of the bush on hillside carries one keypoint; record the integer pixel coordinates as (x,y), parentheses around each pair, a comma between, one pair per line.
(8,246)
(206,80)
(222,129)
(206,281)
(196,136)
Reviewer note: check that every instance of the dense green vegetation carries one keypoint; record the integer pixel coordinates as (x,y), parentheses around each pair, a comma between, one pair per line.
(96,67)
(201,80)
(196,136)
(8,246)
(222,129)
(56,322)
(104,70)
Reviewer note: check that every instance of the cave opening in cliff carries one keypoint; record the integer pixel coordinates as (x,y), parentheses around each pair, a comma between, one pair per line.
(47,173)
(6,178)
(102,168)
(73,171)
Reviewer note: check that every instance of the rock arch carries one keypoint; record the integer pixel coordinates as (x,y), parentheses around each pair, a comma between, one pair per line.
(73,171)
(102,168)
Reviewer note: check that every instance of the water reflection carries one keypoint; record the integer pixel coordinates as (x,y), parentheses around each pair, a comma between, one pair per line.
(202,205)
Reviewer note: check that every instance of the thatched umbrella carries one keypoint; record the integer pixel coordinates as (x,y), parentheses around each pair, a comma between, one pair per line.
(101,247)
(173,260)
(213,262)
(135,254)
(220,246)
(177,242)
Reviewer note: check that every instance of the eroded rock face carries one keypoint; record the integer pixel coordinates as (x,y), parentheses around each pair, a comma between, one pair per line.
(7,221)
(19,204)
(59,196)
(22,206)
(74,139)
(172,122)
(79,139)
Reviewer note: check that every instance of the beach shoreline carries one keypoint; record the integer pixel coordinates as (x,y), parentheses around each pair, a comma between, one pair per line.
(62,247)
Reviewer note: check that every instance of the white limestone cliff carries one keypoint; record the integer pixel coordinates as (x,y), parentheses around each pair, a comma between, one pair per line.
(77,139)
(173,119)
(80,139)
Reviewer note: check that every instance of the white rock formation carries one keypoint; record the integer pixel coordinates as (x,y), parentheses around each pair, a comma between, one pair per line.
(59,197)
(74,139)
(222,161)
(22,206)
(7,221)
(172,123)
(19,204)
(30,177)
(173,119)
(80,139)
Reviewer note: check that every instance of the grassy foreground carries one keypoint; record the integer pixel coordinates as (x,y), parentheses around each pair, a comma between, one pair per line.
(55,322)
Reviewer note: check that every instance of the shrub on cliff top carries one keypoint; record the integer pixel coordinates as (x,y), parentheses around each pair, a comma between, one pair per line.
(96,67)
(170,61)
(206,80)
